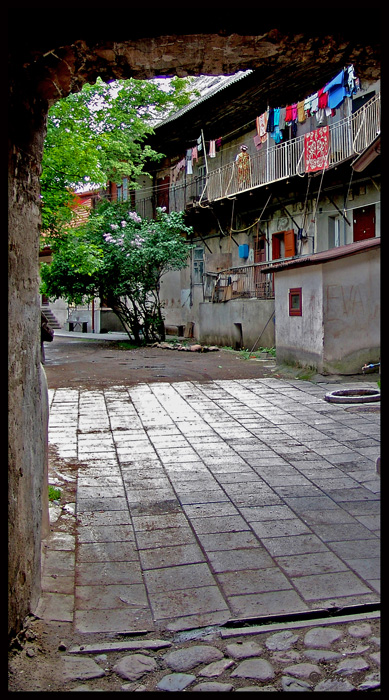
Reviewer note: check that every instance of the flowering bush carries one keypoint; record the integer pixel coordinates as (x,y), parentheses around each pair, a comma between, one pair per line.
(121,259)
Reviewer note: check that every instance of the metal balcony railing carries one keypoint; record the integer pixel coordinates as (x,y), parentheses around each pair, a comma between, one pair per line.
(244,282)
(349,137)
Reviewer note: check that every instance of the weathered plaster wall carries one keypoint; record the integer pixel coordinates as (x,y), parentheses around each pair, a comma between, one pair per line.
(339,330)
(299,339)
(237,323)
(351,306)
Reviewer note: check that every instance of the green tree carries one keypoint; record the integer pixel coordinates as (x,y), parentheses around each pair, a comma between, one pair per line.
(99,134)
(120,258)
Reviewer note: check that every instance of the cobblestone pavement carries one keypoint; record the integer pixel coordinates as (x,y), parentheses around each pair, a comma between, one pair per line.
(216,505)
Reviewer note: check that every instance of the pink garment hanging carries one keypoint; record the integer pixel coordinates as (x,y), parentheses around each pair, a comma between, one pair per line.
(261,123)
(294,111)
(195,155)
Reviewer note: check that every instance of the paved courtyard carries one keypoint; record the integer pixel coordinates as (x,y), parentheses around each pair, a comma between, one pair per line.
(203,503)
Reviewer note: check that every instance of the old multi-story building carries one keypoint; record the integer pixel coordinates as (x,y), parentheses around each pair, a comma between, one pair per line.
(265,173)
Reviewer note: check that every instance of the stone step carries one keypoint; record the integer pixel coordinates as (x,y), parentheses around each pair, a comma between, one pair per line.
(51,319)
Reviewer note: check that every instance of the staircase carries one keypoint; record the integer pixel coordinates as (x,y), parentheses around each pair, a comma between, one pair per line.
(52,321)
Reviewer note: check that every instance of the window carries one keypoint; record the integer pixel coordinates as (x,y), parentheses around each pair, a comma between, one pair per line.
(283,244)
(122,190)
(198,265)
(333,232)
(295,301)
(125,189)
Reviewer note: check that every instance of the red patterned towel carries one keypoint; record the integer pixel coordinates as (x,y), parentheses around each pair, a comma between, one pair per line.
(316,149)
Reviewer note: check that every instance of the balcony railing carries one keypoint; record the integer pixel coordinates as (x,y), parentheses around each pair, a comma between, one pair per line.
(244,282)
(349,137)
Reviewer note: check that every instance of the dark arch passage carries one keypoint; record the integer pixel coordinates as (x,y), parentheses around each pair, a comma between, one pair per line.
(53,53)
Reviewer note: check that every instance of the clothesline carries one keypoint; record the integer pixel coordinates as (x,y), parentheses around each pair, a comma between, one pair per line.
(273,121)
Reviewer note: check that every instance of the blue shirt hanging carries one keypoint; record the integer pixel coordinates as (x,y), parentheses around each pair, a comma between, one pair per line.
(336,90)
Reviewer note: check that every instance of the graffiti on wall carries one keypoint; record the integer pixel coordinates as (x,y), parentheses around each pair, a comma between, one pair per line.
(348,302)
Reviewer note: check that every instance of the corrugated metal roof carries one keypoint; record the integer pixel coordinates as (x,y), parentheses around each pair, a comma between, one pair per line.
(207,85)
(324,256)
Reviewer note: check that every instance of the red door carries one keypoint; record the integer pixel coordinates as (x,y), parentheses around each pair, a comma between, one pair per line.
(364,222)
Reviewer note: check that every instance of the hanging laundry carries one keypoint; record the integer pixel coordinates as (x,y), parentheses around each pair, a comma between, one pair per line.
(322,98)
(282,118)
(294,111)
(336,90)
(212,149)
(261,123)
(316,149)
(195,155)
(218,143)
(288,114)
(175,171)
(200,144)
(276,134)
(257,142)
(301,112)
(307,106)
(314,102)
(270,121)
(350,81)
(189,161)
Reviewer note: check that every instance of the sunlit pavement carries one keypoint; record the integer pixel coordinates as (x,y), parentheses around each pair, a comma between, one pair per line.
(203,503)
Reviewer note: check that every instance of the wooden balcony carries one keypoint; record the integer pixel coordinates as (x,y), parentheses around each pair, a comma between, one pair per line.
(244,282)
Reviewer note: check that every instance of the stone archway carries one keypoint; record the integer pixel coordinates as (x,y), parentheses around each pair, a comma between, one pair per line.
(49,63)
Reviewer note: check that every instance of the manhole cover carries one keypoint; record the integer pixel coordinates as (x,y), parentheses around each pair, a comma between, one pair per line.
(353,396)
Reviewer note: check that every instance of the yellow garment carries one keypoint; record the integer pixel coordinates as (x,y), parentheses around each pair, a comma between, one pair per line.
(243,163)
(301,117)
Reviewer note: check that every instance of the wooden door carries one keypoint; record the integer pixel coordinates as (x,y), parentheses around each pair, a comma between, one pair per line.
(364,223)
(260,279)
(290,244)
(163,184)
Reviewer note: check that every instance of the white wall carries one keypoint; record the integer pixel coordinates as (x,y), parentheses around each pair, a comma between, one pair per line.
(351,298)
(339,329)
(299,339)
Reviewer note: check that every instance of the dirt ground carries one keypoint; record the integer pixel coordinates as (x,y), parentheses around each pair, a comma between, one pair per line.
(94,363)
(90,363)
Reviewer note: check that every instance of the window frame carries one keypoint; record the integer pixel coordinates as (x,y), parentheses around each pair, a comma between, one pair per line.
(293,293)
(198,265)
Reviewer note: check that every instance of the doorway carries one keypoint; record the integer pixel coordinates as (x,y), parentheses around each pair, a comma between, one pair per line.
(364,223)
